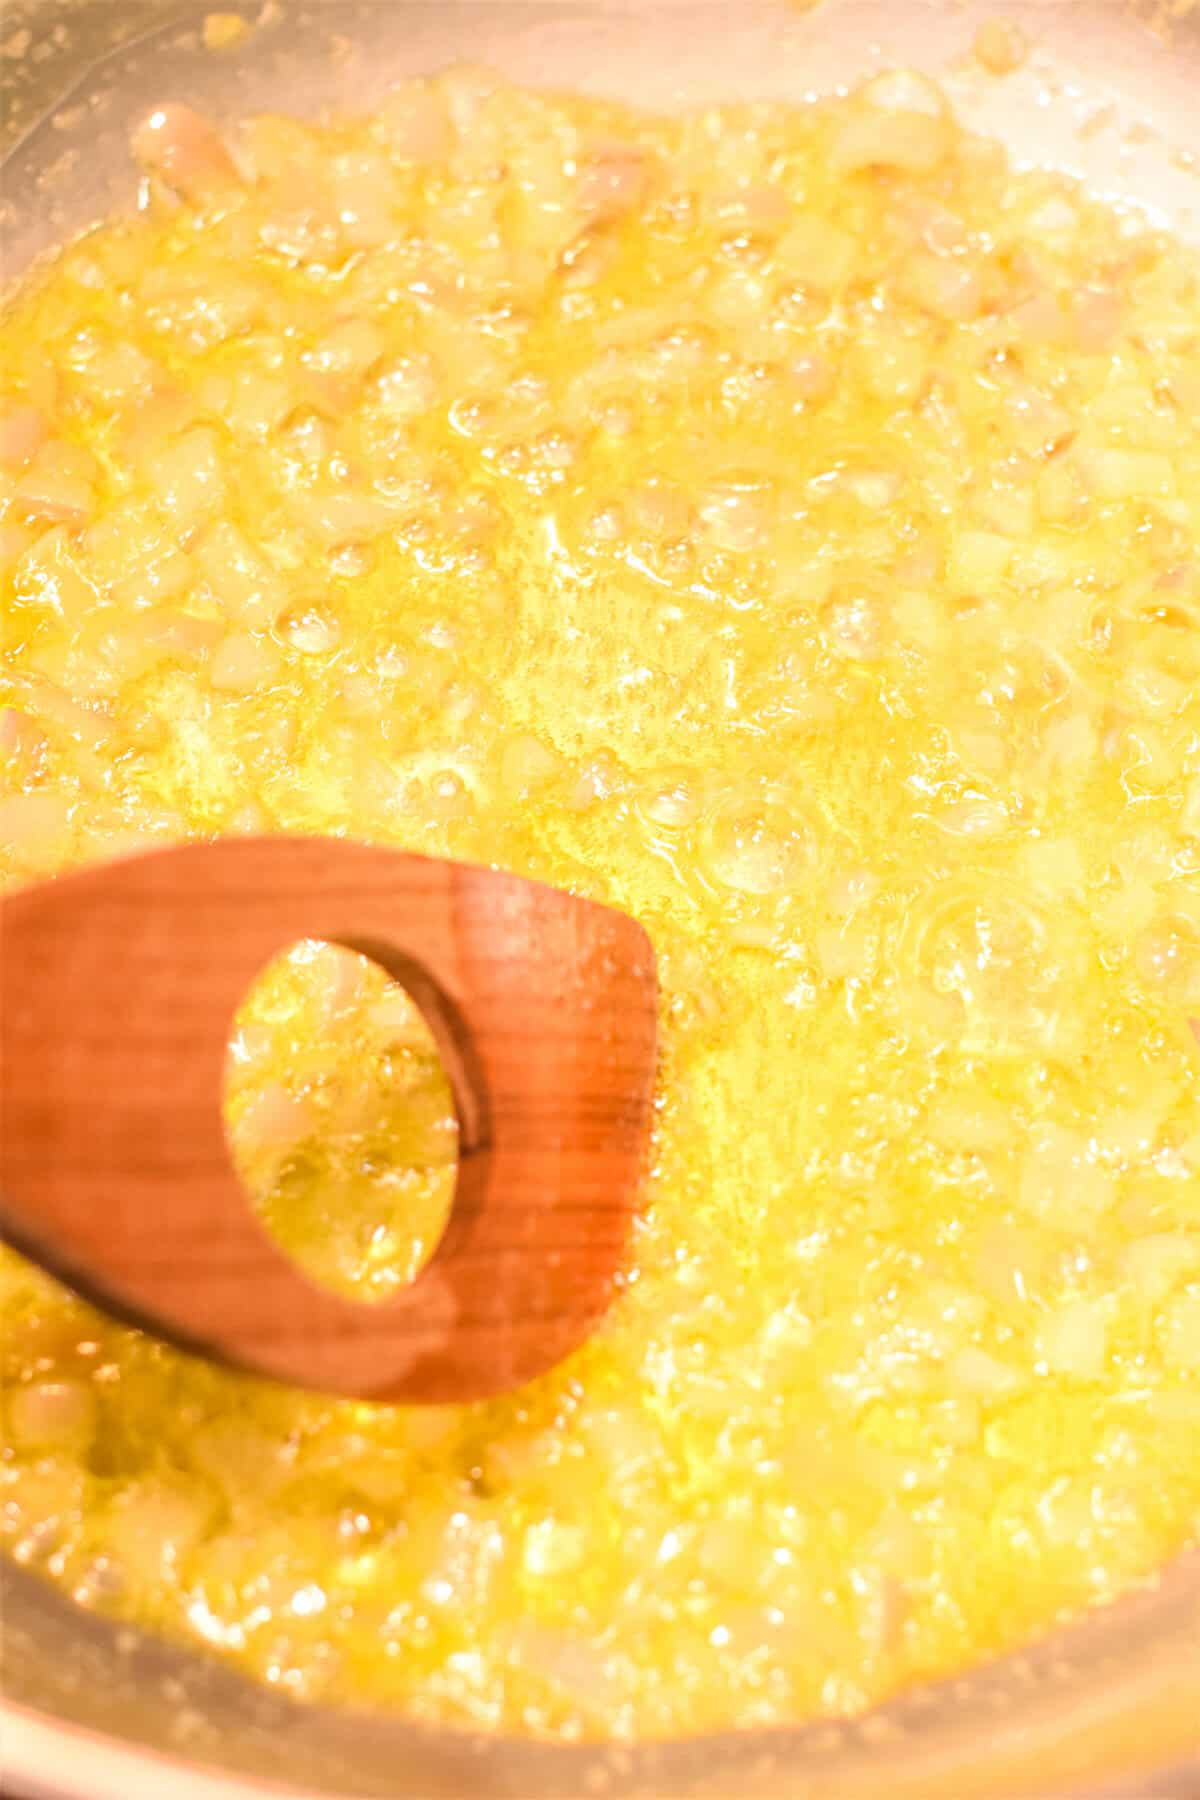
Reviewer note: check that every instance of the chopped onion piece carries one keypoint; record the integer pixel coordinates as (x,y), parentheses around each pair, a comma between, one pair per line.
(1126,474)
(20,738)
(899,122)
(948,287)
(242,663)
(59,484)
(183,150)
(1073,1340)
(415,123)
(188,477)
(1000,46)
(241,578)
(45,1415)
(23,431)
(1179,1331)
(272,1119)
(35,827)
(613,179)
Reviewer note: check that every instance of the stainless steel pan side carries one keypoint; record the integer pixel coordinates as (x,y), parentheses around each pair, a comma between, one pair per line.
(1109,1706)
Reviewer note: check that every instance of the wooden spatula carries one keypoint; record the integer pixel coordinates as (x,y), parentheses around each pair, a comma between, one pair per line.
(119,988)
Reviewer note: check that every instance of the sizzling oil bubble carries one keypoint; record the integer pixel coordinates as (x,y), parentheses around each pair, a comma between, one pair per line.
(757,847)
(998,958)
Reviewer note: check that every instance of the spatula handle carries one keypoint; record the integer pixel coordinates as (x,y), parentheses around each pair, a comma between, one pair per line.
(119,989)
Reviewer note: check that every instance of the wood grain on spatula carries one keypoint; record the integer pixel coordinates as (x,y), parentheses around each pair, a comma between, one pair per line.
(119,989)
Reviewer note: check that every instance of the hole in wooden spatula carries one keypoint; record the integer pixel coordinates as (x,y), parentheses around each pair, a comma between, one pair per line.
(341,1120)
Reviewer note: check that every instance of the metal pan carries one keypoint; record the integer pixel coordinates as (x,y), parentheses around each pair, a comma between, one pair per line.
(1109,1706)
